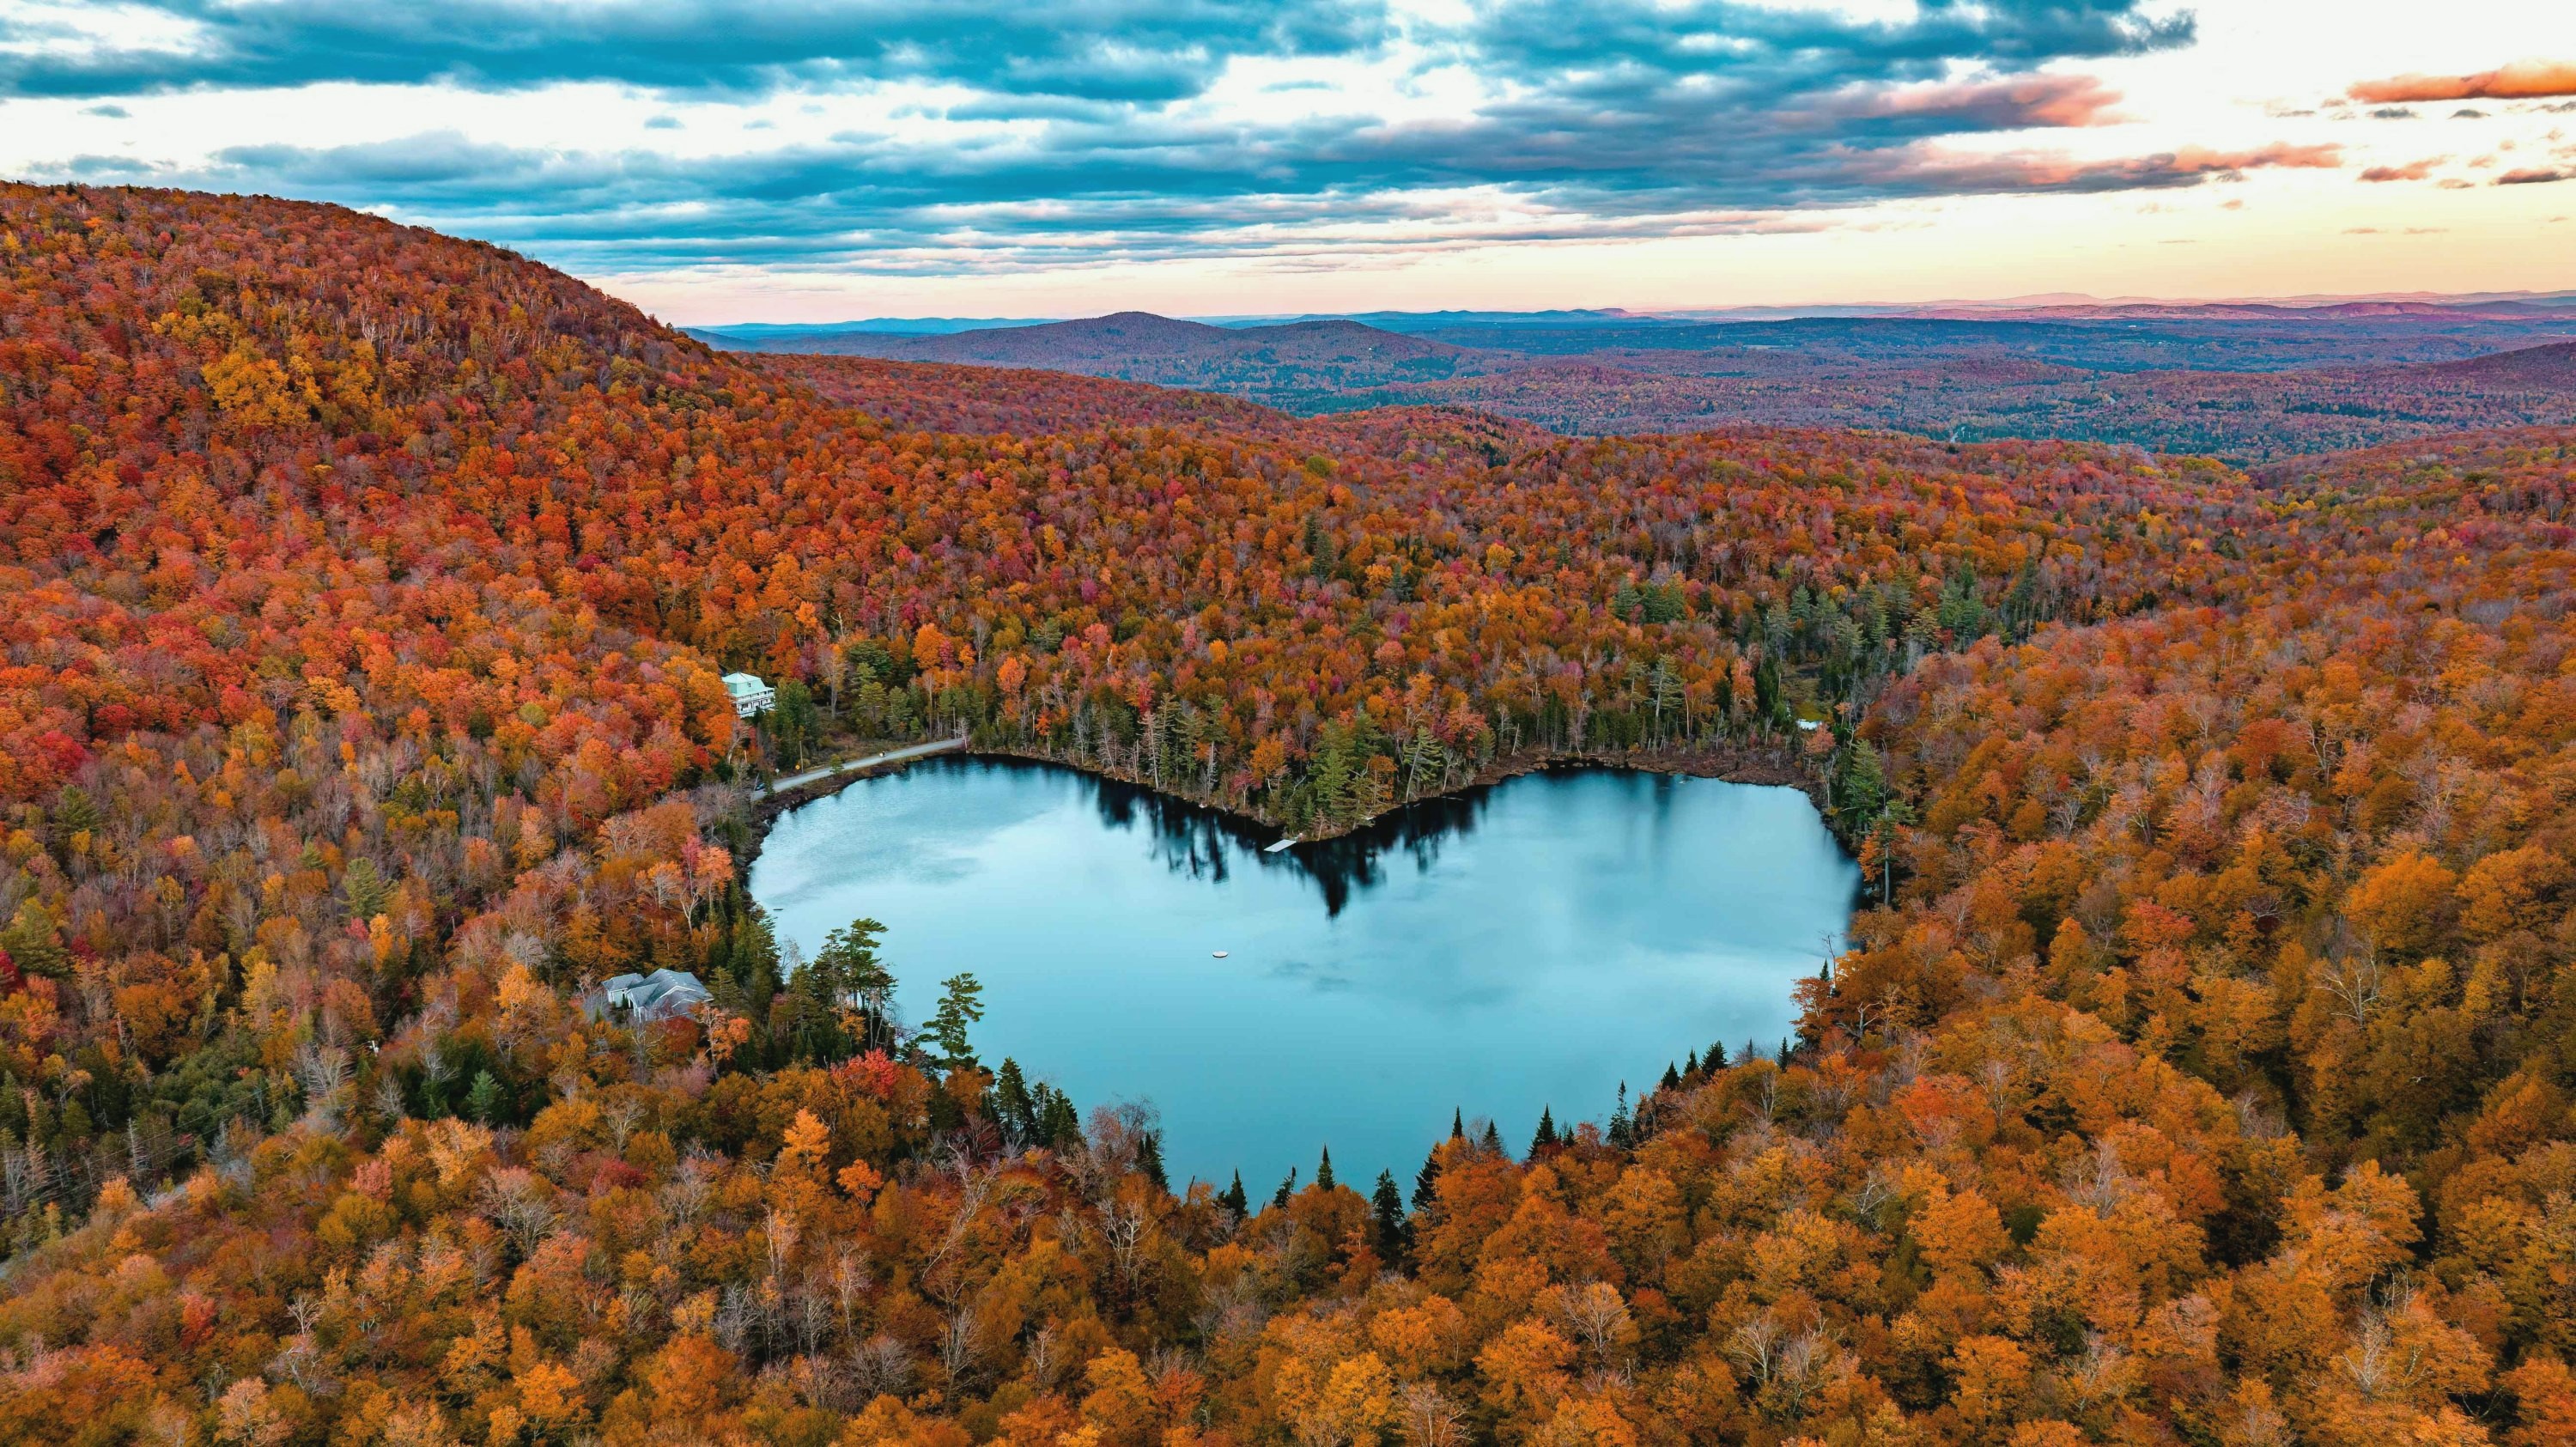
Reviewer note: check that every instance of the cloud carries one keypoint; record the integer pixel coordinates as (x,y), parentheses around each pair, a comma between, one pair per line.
(1108,194)
(1130,50)
(2411,171)
(2189,166)
(1096,130)
(2053,101)
(2522,80)
(2535,177)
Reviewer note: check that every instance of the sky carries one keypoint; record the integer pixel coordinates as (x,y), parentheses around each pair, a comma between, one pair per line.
(813,160)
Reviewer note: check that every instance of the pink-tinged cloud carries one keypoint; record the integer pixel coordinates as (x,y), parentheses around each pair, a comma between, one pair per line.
(2411,171)
(2193,161)
(2534,177)
(2056,101)
(2033,171)
(2522,80)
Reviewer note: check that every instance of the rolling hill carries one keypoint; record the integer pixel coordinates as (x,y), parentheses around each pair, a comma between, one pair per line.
(1303,365)
(2243,382)
(2198,1071)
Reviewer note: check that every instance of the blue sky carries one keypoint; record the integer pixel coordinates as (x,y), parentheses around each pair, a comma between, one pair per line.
(724,160)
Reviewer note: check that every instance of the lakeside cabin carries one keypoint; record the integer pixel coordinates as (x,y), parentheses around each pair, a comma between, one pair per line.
(661,995)
(751,697)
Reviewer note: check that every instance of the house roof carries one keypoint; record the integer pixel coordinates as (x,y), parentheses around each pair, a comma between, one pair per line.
(660,990)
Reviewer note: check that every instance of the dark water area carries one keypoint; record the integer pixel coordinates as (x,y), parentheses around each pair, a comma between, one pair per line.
(1531,944)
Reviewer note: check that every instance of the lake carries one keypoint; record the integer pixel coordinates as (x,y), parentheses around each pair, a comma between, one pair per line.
(1531,944)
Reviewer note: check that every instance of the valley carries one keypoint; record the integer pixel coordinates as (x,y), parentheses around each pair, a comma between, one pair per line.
(2249,384)
(2191,1065)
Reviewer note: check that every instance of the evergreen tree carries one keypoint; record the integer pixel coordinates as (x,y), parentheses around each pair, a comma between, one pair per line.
(1457,1125)
(1287,1188)
(1690,1067)
(1715,1060)
(1493,1140)
(1426,1182)
(1394,1232)
(1149,1159)
(1012,1104)
(75,812)
(960,1005)
(1546,1132)
(1324,1171)
(792,720)
(753,960)
(1861,792)
(483,1098)
(1058,1124)
(1672,1078)
(845,974)
(1234,1198)
(1622,1129)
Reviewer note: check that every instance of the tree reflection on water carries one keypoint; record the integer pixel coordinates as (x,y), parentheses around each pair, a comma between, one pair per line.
(1203,843)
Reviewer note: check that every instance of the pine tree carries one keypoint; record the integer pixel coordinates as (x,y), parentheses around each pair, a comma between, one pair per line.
(1690,1067)
(1394,1232)
(1493,1140)
(1149,1159)
(1457,1125)
(1287,1188)
(1546,1132)
(1426,1183)
(1058,1122)
(960,1005)
(845,974)
(1012,1105)
(1672,1078)
(1234,1198)
(1622,1130)
(1324,1171)
(483,1098)
(1861,791)
(1715,1060)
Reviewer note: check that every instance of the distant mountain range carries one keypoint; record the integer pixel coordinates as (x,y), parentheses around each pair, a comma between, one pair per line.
(1306,366)
(2247,381)
(899,326)
(2058,306)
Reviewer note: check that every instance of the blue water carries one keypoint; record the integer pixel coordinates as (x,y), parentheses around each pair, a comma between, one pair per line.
(1532,944)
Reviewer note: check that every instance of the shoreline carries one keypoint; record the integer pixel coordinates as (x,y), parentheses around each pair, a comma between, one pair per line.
(1767,765)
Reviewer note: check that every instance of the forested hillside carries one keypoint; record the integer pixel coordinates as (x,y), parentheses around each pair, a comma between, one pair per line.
(2247,383)
(2243,415)
(1302,364)
(2201,1073)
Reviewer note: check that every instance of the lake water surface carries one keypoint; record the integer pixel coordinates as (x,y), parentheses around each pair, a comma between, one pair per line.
(1532,944)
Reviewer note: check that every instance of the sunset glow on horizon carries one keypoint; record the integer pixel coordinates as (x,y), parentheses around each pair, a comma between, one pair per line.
(725,163)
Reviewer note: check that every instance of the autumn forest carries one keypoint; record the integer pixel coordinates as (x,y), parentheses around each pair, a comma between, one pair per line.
(2202,1072)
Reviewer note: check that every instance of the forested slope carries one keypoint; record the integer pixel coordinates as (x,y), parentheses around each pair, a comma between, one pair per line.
(2201,1074)
(2247,383)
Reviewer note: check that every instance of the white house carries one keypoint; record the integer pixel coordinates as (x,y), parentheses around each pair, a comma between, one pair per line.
(750,695)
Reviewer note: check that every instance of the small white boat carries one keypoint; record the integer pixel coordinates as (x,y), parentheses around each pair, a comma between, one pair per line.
(1275,848)
(1220,954)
